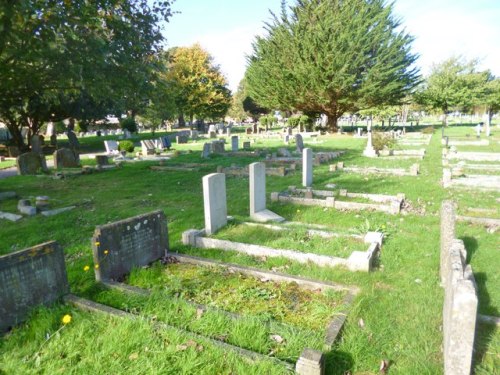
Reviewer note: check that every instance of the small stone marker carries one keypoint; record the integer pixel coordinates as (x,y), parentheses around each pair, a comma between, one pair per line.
(299,142)
(246,145)
(307,167)
(30,163)
(24,206)
(234,143)
(66,158)
(214,199)
(311,362)
(57,211)
(9,216)
(28,278)
(135,242)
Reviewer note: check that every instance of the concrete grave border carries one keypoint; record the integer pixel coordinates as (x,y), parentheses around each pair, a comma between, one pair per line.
(394,207)
(413,170)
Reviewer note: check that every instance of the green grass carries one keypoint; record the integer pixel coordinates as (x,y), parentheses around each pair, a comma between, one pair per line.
(400,303)
(7,164)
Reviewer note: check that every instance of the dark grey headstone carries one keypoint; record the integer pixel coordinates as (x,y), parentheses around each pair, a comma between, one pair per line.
(181,139)
(300,142)
(135,242)
(36,144)
(73,140)
(207,148)
(30,163)
(166,143)
(66,158)
(28,278)
(101,160)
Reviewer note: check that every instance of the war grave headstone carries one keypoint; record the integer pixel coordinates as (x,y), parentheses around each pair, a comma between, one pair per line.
(216,218)
(118,247)
(258,210)
(30,163)
(307,167)
(28,278)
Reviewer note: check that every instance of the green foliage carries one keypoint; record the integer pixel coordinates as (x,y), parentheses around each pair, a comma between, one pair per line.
(77,59)
(331,57)
(381,140)
(198,87)
(452,85)
(129,124)
(428,130)
(127,146)
(81,127)
(59,127)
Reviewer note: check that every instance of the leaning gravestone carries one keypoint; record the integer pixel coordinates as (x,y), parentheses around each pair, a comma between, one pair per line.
(74,145)
(135,242)
(28,278)
(66,158)
(300,142)
(30,163)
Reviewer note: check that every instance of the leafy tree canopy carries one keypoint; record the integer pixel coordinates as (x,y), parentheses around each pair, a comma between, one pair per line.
(77,58)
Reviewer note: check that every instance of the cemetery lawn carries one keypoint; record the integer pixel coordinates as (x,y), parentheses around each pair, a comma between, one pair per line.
(7,164)
(397,315)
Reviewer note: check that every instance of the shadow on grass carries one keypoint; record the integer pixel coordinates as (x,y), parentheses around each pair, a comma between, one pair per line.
(338,362)
(471,246)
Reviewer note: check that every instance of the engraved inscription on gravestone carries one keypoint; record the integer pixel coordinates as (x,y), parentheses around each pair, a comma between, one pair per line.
(120,246)
(30,277)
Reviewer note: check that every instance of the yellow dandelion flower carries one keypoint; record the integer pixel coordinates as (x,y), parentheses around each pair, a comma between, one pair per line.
(96,266)
(86,268)
(66,319)
(106,252)
(298,210)
(97,243)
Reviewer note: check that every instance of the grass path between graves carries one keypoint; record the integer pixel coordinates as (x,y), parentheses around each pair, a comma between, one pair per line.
(396,316)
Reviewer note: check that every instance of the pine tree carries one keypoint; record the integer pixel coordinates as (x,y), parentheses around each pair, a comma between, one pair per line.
(332,57)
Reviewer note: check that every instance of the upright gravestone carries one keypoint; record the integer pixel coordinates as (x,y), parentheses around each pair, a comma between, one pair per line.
(299,142)
(30,163)
(36,144)
(257,179)
(65,158)
(180,139)
(228,132)
(234,143)
(214,200)
(28,278)
(207,148)
(135,242)
(74,145)
(307,167)
(166,143)
(369,150)
(246,145)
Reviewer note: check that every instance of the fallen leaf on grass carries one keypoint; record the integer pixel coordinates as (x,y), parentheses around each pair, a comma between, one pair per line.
(384,366)
(199,313)
(277,338)
(133,356)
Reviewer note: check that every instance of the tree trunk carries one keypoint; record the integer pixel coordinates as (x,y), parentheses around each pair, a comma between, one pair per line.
(182,122)
(17,137)
(332,123)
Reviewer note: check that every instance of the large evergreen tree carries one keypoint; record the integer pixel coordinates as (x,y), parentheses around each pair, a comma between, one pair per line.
(332,57)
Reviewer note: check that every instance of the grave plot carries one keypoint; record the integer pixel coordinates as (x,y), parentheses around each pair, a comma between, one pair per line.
(455,177)
(216,219)
(244,171)
(29,207)
(412,171)
(183,167)
(471,156)
(458,141)
(348,201)
(195,289)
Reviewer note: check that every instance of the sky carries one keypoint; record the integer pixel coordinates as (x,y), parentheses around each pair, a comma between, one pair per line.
(442,28)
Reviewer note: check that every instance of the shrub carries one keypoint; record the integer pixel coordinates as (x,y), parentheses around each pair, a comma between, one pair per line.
(428,130)
(129,124)
(126,146)
(381,140)
(59,127)
(81,127)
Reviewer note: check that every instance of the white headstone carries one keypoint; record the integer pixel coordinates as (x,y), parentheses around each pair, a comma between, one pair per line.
(214,199)
(258,211)
(307,167)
